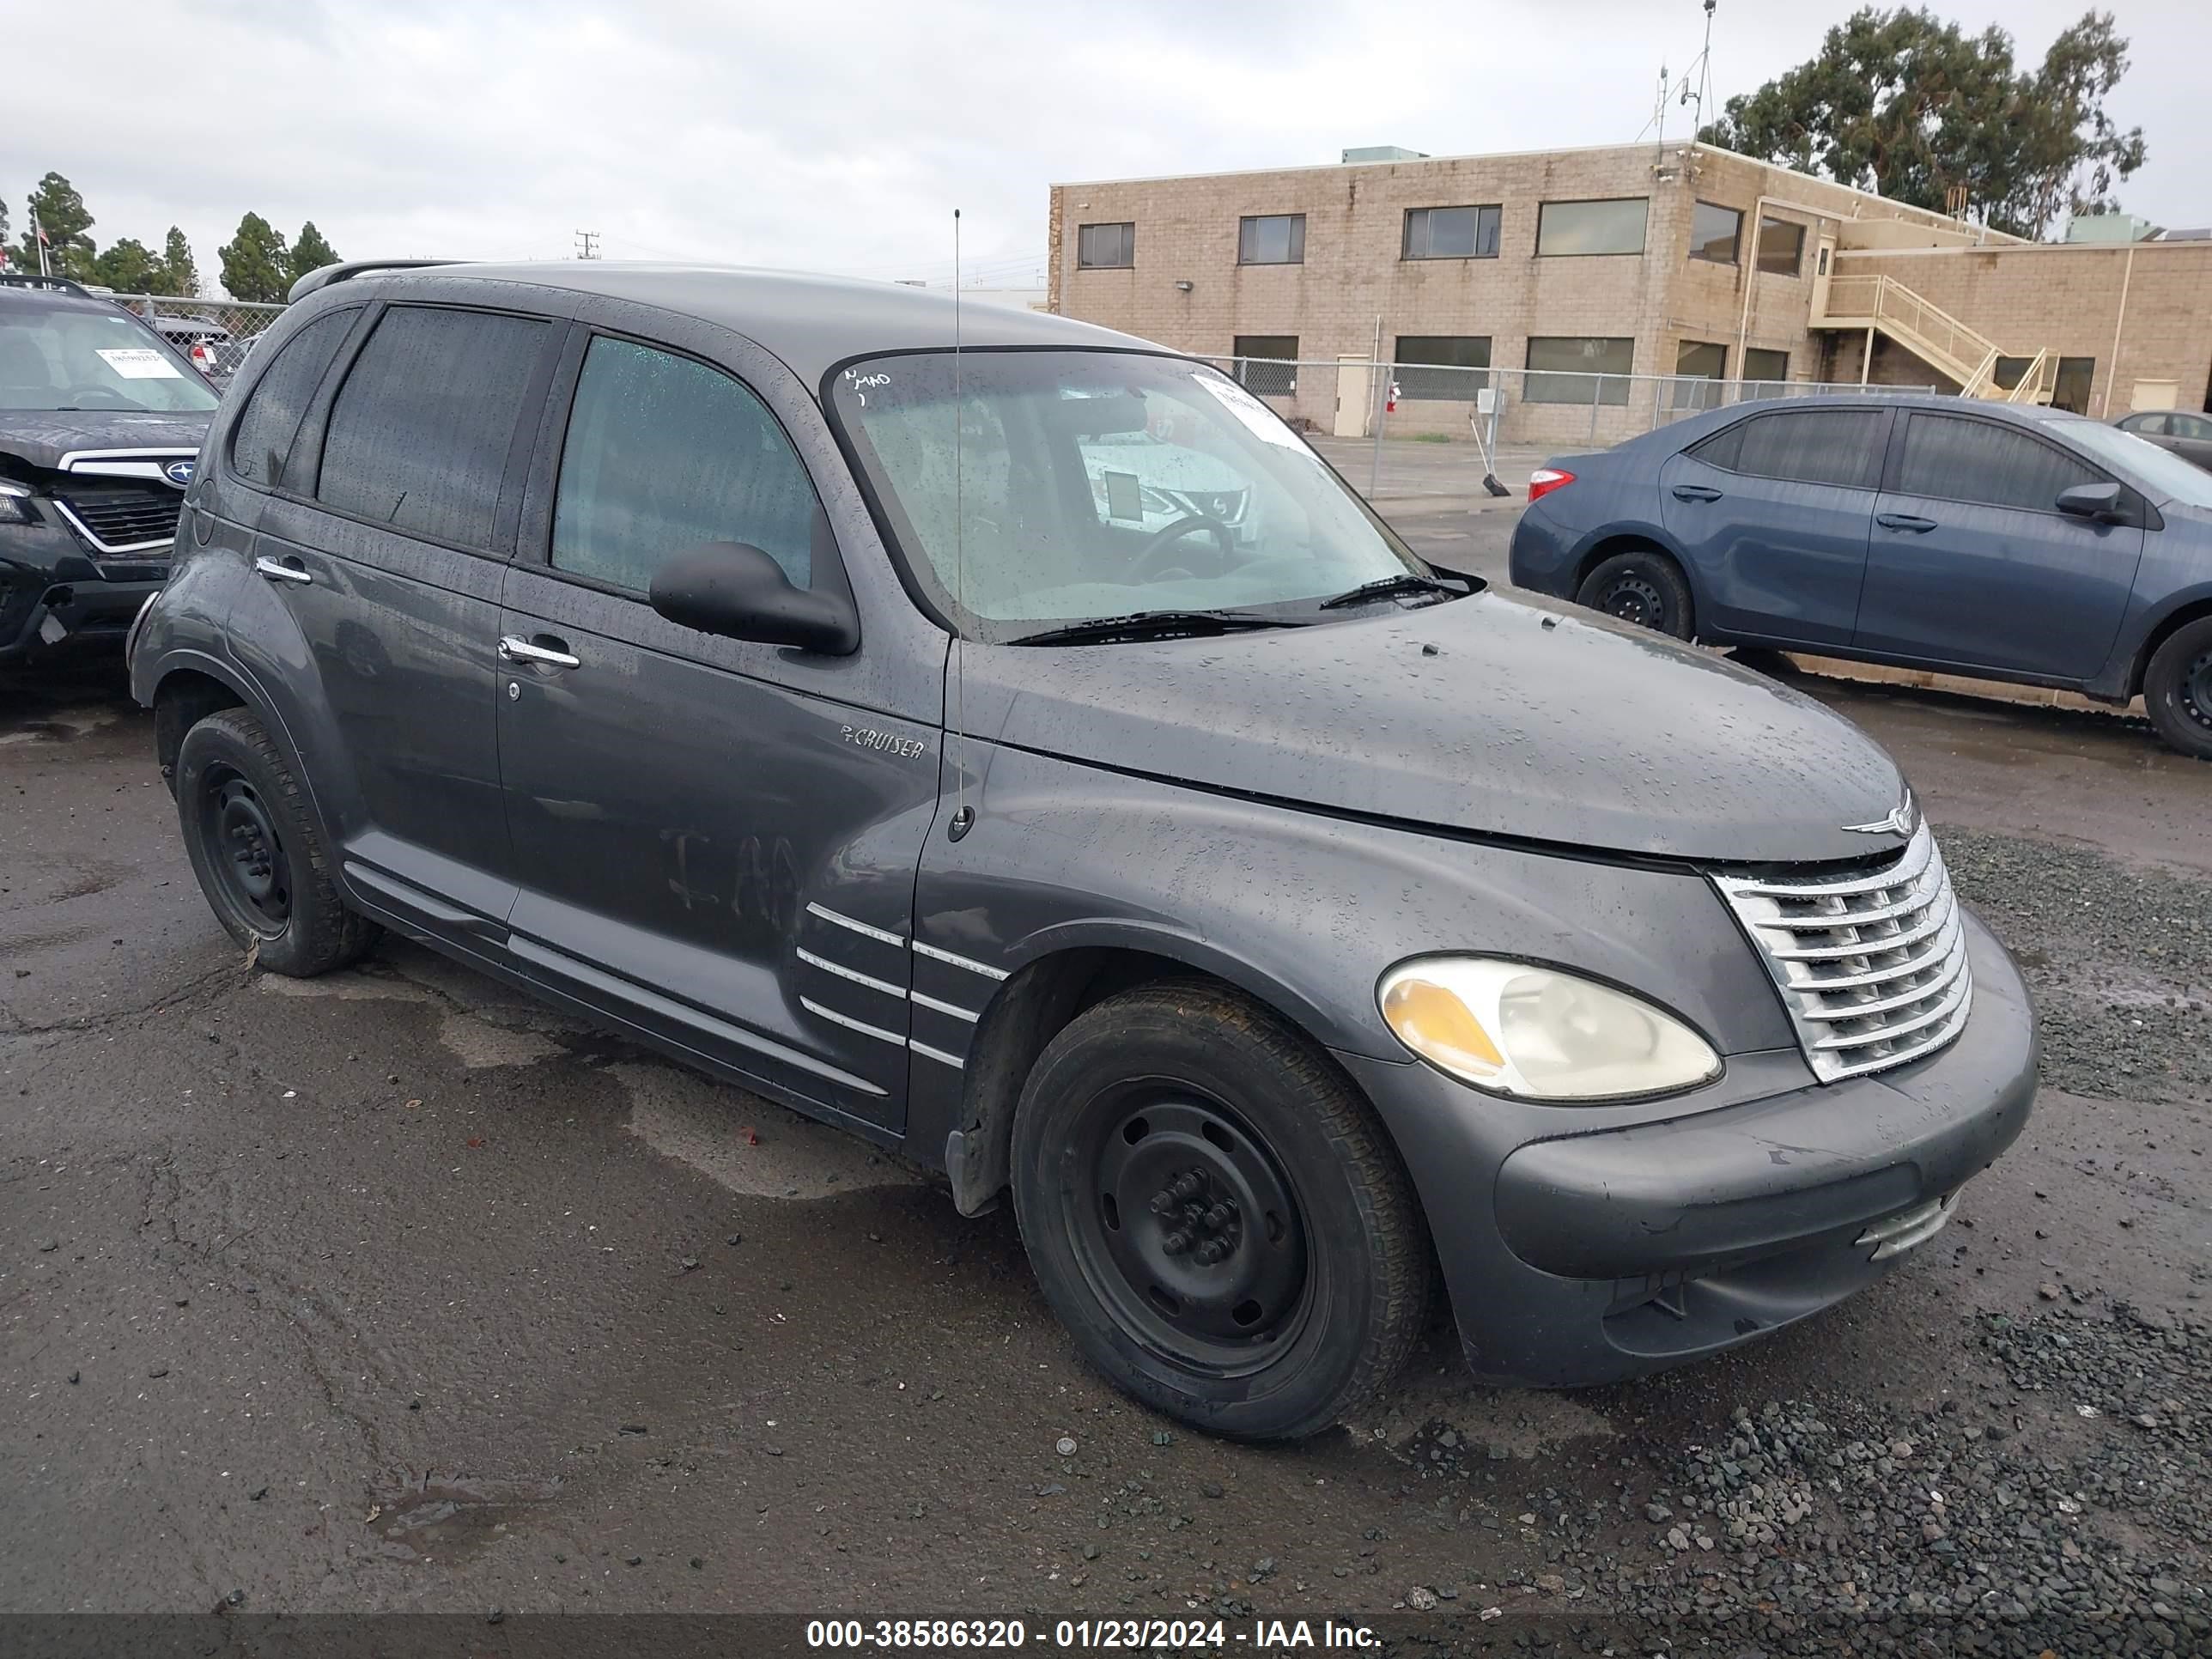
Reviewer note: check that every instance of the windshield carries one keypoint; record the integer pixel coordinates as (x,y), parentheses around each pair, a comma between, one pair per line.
(2164,475)
(1102,485)
(63,358)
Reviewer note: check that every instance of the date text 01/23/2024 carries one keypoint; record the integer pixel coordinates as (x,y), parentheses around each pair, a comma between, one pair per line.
(1264,1636)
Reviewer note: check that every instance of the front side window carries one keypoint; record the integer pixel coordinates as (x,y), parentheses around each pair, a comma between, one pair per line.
(1268,363)
(1714,233)
(419,433)
(1840,447)
(1781,246)
(1565,229)
(1059,486)
(67,359)
(1106,247)
(1954,459)
(1452,233)
(2165,476)
(1274,238)
(262,440)
(1575,369)
(664,454)
(1442,368)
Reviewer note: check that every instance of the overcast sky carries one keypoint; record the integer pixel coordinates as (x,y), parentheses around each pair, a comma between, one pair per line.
(839,136)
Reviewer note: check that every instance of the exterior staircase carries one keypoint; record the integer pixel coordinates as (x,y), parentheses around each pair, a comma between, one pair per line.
(1932,334)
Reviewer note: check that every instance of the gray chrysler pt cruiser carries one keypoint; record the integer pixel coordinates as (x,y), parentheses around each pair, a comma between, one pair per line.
(1032,757)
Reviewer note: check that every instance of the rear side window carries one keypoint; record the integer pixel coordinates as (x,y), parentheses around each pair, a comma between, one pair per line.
(262,440)
(1838,447)
(420,431)
(1961,460)
(664,454)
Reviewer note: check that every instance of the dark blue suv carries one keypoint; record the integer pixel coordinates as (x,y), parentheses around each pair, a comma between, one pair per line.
(2015,544)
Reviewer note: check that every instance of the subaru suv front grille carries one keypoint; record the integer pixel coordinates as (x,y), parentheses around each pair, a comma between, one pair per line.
(125,519)
(1871,963)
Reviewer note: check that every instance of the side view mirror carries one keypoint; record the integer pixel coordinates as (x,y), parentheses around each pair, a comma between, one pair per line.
(2098,501)
(733,589)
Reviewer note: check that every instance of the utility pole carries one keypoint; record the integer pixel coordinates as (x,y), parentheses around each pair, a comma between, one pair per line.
(587,245)
(39,236)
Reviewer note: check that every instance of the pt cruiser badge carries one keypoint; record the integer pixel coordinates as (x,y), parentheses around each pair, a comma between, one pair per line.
(1287,917)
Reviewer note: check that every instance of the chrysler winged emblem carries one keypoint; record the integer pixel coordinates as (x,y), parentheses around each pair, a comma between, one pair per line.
(1898,823)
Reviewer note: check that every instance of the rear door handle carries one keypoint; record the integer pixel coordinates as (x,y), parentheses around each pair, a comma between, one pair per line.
(1918,526)
(1695,493)
(554,653)
(283,570)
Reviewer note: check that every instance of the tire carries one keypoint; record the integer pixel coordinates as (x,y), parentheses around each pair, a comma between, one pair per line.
(258,853)
(2177,689)
(1645,587)
(1146,1119)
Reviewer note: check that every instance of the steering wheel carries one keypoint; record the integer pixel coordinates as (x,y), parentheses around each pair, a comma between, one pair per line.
(1151,560)
(97,396)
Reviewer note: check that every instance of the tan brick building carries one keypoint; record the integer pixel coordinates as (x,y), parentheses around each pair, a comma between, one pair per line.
(1573,271)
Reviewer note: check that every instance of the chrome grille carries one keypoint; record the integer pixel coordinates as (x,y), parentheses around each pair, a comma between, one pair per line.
(125,520)
(1872,965)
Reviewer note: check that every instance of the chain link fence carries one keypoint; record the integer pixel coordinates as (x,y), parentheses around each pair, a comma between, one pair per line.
(215,334)
(1401,430)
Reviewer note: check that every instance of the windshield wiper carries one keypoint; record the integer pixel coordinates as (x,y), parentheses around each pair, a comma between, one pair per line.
(1405,582)
(1154,625)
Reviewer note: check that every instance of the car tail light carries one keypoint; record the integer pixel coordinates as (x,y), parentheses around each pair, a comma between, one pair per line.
(202,358)
(1545,479)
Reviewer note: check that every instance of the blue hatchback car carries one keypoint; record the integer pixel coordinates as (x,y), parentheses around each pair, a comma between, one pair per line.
(2012,543)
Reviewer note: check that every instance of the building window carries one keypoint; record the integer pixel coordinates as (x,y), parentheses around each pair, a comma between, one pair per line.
(1266,363)
(1766,367)
(1442,368)
(1714,233)
(1576,227)
(1700,365)
(2070,390)
(1450,233)
(1105,247)
(1574,369)
(1781,246)
(1272,239)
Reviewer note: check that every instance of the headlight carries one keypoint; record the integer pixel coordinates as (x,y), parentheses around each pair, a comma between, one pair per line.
(1538,1033)
(15,503)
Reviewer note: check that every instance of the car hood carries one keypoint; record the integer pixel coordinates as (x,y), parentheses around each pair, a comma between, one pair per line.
(1481,716)
(42,437)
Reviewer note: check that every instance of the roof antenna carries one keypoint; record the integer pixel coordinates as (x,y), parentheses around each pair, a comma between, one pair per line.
(963,817)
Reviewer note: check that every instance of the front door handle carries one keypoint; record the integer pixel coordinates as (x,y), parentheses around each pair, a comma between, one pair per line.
(1696,493)
(283,570)
(1918,526)
(555,653)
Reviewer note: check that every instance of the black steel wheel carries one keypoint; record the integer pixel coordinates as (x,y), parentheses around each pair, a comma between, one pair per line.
(1216,1215)
(1643,586)
(258,853)
(2177,689)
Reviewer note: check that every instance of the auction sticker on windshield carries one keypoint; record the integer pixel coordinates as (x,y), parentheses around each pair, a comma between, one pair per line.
(139,363)
(1256,415)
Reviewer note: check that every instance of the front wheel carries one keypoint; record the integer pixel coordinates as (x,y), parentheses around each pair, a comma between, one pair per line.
(1216,1216)
(1645,587)
(258,856)
(2177,689)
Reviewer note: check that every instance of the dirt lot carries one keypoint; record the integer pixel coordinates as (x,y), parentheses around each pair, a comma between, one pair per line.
(392,1293)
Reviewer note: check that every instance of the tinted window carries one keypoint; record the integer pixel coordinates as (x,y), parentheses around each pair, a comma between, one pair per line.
(263,437)
(1452,233)
(1961,460)
(1764,366)
(1277,239)
(1564,227)
(1714,231)
(1105,246)
(1807,446)
(420,430)
(1434,368)
(664,454)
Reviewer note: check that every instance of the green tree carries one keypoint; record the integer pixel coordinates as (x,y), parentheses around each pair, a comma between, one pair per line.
(256,265)
(179,274)
(1906,104)
(130,267)
(61,212)
(4,228)
(311,253)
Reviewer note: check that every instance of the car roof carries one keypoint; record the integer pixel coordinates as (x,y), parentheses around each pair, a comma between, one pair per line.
(813,322)
(1680,434)
(55,298)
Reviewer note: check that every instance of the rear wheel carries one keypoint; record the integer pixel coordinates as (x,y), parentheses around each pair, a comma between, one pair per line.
(1643,586)
(2177,689)
(1216,1216)
(258,856)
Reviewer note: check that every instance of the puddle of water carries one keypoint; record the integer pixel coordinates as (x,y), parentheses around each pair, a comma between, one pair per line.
(476,1042)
